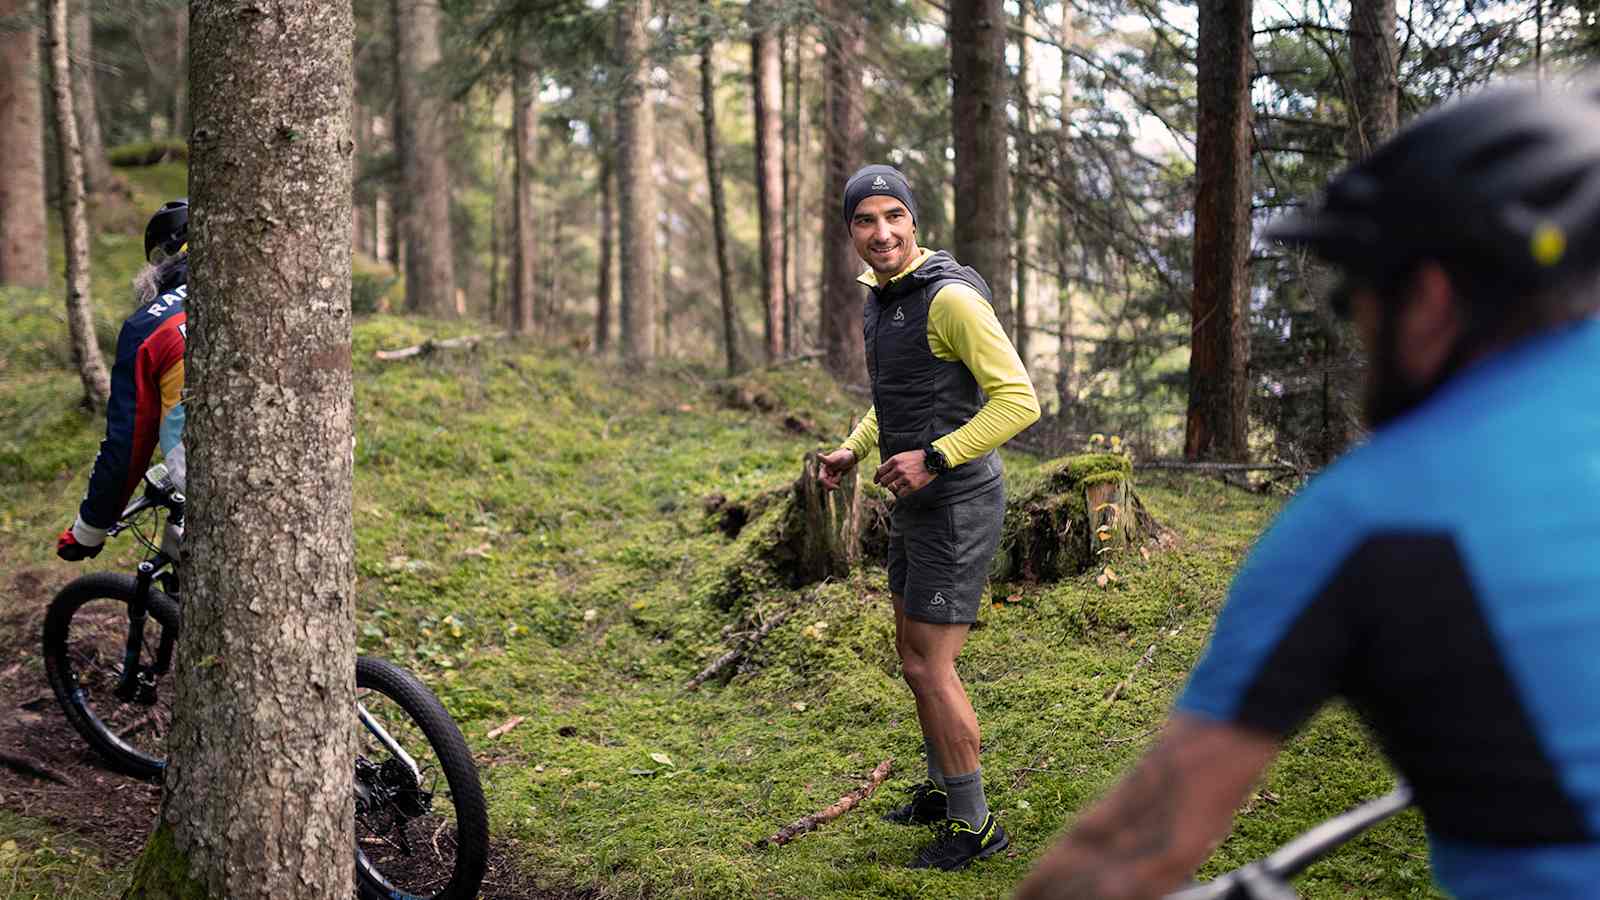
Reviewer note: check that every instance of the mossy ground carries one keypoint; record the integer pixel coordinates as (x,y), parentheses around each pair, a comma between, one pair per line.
(531,540)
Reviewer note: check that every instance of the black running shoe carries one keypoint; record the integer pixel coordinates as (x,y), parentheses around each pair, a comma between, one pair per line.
(929,804)
(957,845)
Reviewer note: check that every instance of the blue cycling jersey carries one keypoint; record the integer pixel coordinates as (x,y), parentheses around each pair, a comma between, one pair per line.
(1445,579)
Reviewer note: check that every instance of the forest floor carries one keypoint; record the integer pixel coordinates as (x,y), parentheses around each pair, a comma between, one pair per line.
(533,541)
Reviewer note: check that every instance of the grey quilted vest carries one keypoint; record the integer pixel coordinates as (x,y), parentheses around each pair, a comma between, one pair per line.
(918,396)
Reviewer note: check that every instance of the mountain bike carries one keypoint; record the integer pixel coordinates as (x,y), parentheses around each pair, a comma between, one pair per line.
(1268,879)
(109,641)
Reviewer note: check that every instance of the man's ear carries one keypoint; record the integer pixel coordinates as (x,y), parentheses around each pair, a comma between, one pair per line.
(1430,325)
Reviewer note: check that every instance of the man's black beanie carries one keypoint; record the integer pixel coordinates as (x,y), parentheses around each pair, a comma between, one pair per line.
(874,181)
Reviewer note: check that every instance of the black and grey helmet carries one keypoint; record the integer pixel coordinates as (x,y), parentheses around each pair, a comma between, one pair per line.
(168,228)
(1502,187)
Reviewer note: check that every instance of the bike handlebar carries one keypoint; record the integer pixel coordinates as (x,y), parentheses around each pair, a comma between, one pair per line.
(1268,879)
(159,491)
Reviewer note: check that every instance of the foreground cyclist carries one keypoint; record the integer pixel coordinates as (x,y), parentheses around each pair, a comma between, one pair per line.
(146,406)
(1445,577)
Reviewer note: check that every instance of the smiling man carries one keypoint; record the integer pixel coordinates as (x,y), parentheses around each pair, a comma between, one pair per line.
(947,389)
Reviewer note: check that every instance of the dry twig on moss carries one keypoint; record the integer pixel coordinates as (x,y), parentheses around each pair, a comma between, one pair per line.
(747,643)
(846,803)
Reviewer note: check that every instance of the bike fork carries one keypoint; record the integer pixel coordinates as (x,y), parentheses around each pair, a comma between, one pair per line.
(132,685)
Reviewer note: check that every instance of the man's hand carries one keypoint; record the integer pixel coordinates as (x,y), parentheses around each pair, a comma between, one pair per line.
(904,473)
(834,465)
(68,548)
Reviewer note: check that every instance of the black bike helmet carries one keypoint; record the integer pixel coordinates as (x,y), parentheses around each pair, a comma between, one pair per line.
(168,228)
(1502,188)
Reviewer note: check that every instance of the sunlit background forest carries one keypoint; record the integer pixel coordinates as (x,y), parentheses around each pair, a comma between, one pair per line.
(666,186)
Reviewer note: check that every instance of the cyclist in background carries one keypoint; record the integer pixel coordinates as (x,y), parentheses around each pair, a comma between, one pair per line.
(146,406)
(1445,576)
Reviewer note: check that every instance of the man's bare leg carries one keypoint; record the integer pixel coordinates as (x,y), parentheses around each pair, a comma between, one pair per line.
(928,654)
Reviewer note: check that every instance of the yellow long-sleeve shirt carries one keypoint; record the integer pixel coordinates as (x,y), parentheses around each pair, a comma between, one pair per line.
(962,326)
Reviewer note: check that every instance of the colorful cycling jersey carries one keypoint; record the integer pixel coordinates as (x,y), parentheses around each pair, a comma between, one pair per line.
(1445,579)
(146,405)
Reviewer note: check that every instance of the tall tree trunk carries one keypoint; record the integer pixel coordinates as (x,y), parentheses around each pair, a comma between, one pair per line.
(977,30)
(1219,352)
(843,350)
(636,151)
(525,250)
(1023,197)
(1374,107)
(96,168)
(361,207)
(257,790)
(719,212)
(1375,87)
(1066,353)
(602,312)
(23,229)
(766,66)
(424,201)
(177,69)
(786,263)
(74,220)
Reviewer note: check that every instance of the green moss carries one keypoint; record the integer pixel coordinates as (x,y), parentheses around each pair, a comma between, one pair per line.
(162,871)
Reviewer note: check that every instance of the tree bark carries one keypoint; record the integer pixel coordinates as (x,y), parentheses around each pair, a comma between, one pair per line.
(719,212)
(1375,87)
(602,315)
(424,200)
(1066,354)
(23,229)
(977,30)
(788,98)
(85,110)
(1023,197)
(1218,416)
(636,151)
(177,70)
(74,219)
(257,792)
(766,66)
(525,250)
(844,353)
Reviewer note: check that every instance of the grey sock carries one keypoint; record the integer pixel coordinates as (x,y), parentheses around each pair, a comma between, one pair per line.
(967,802)
(934,774)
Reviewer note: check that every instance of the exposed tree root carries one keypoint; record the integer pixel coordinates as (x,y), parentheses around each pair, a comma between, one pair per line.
(29,766)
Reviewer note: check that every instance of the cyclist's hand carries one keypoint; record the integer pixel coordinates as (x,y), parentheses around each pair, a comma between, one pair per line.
(904,473)
(834,465)
(68,548)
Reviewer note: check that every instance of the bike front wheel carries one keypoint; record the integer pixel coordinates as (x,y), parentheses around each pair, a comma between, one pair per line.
(86,634)
(422,831)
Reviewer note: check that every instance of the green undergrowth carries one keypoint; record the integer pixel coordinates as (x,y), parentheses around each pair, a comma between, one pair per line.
(37,863)
(533,540)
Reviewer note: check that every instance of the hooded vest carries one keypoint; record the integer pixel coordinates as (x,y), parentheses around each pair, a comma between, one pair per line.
(919,397)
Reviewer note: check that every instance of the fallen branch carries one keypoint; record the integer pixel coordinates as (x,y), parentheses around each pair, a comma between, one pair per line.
(747,642)
(1192,466)
(846,803)
(510,723)
(466,341)
(1149,654)
(33,767)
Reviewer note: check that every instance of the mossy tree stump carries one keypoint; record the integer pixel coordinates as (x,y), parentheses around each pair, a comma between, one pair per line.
(1080,509)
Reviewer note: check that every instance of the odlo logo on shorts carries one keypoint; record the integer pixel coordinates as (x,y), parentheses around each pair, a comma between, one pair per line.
(938,599)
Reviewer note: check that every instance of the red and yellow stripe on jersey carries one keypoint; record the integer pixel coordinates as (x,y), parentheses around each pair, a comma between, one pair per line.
(146,389)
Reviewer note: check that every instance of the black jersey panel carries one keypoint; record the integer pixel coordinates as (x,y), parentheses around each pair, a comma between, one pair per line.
(1398,630)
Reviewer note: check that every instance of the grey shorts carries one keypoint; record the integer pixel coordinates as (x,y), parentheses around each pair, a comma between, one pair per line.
(939,558)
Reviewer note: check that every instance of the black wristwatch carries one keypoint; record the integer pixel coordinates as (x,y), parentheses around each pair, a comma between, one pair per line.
(935,461)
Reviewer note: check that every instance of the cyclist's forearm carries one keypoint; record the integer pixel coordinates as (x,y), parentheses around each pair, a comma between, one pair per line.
(1162,821)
